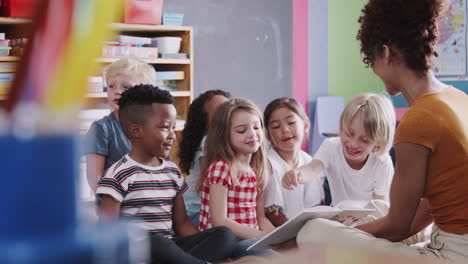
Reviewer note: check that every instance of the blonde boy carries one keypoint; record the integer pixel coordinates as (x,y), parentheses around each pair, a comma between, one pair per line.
(357,163)
(105,142)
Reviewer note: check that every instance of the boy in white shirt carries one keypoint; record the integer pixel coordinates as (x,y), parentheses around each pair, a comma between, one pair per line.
(357,163)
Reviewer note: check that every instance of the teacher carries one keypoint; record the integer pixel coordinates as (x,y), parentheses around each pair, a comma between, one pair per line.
(431,142)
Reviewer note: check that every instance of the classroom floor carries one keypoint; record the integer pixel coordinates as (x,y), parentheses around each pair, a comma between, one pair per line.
(334,255)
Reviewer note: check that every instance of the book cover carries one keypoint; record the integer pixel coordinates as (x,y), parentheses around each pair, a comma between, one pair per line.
(170,75)
(7,67)
(173,55)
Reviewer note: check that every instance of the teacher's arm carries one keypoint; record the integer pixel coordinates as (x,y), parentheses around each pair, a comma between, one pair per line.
(408,212)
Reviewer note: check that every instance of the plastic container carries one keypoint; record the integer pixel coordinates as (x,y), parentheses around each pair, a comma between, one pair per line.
(109,51)
(134,40)
(5,51)
(35,209)
(40,223)
(143,12)
(172,19)
(167,44)
(95,84)
(4,42)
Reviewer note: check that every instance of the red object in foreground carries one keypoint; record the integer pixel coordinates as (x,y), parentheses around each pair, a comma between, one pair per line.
(19,8)
(143,12)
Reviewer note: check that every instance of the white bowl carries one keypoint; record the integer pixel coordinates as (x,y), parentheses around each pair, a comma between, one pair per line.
(168,44)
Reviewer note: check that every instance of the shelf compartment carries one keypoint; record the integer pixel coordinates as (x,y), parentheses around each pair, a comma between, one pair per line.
(173,93)
(149,61)
(14,21)
(110,60)
(10,58)
(148,28)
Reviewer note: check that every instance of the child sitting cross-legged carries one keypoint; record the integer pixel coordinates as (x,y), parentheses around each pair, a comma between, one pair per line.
(233,169)
(286,126)
(146,188)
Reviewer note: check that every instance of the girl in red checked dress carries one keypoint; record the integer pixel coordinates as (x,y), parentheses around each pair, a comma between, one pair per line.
(234,174)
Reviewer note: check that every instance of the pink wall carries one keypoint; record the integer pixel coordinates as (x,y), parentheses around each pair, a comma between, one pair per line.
(300,61)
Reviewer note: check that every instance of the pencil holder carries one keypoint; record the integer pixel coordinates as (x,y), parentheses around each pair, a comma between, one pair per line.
(39,222)
(38,177)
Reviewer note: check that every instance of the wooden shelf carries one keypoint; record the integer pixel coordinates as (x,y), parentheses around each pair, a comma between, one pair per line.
(104,95)
(148,28)
(116,26)
(110,60)
(9,58)
(149,61)
(183,97)
(14,20)
(173,93)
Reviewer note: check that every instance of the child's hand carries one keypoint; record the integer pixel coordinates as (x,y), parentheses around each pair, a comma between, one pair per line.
(265,232)
(291,179)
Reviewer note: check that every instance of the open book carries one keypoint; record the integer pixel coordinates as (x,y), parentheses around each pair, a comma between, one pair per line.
(346,212)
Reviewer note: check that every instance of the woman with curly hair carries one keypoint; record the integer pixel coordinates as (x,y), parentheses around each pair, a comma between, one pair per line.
(431,142)
(191,147)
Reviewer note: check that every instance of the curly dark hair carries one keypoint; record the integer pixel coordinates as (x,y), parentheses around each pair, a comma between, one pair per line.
(407,26)
(134,104)
(195,128)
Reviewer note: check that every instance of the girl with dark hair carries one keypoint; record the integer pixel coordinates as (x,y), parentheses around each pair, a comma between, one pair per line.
(286,128)
(431,142)
(191,147)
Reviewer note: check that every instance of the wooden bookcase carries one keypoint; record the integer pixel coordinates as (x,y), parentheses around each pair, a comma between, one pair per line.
(16,28)
(183,97)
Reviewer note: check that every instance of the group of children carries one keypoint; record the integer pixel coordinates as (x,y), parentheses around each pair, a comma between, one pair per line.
(239,188)
(235,192)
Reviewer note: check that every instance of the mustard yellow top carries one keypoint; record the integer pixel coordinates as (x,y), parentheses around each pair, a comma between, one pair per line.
(439,121)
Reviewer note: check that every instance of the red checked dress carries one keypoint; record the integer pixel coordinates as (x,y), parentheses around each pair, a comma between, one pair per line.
(241,200)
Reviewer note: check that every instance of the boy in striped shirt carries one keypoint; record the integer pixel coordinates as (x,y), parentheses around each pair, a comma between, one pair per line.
(146,188)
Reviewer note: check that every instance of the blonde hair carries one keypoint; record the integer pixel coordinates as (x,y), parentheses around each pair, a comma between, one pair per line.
(137,70)
(218,143)
(378,116)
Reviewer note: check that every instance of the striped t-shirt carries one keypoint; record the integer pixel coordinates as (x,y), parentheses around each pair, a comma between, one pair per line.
(146,193)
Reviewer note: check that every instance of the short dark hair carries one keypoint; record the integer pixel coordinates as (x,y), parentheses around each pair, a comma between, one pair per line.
(135,104)
(408,26)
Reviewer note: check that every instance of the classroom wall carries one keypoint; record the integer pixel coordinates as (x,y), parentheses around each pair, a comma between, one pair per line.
(347,74)
(242,46)
(300,53)
(318,51)
(335,66)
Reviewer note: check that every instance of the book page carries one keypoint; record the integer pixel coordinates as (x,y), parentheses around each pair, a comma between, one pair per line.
(352,204)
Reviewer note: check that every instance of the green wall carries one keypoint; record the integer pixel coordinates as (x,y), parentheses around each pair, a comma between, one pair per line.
(347,74)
